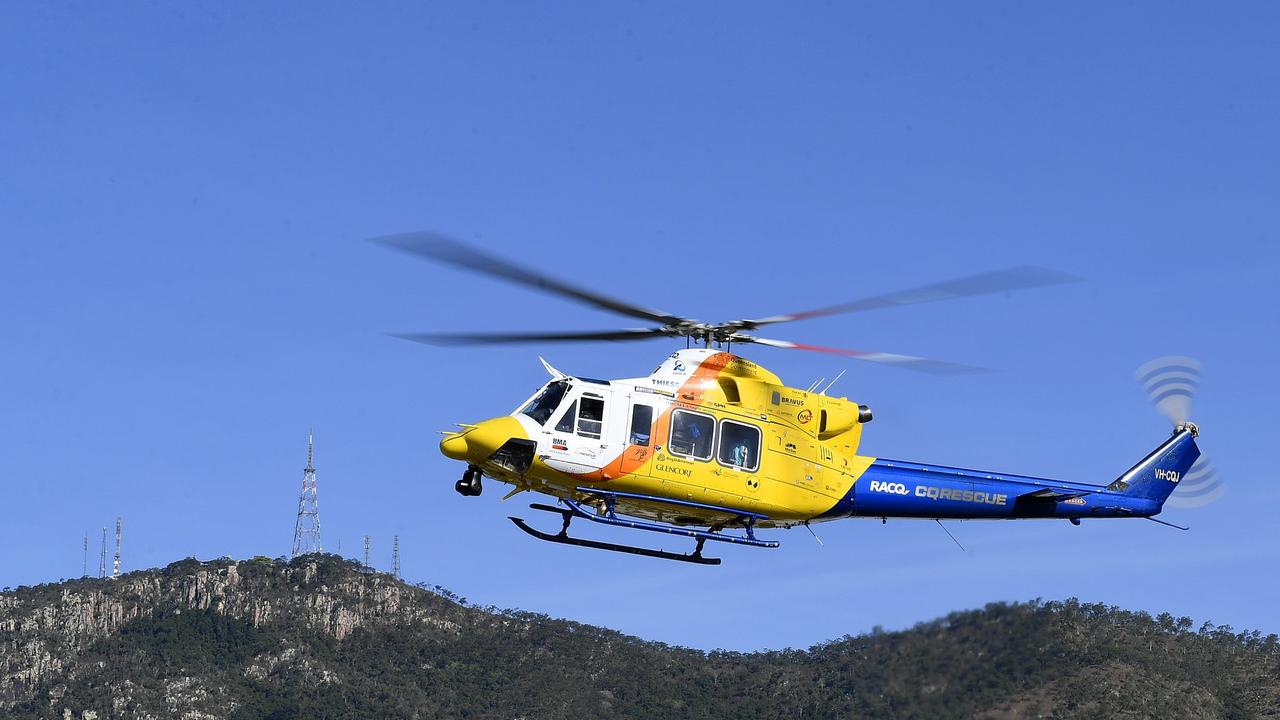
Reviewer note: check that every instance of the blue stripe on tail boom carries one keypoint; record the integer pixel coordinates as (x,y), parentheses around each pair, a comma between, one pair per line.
(893,488)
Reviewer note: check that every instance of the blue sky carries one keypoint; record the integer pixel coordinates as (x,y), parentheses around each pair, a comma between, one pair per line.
(185,190)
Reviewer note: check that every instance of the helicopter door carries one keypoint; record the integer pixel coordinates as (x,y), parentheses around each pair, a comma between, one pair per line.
(578,441)
(639,441)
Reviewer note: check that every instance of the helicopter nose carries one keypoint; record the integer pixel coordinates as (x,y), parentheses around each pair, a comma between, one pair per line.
(454,446)
(477,443)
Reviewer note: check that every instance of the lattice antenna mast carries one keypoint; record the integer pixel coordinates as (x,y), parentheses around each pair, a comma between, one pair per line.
(115,573)
(306,533)
(395,557)
(102,558)
(366,553)
(84,569)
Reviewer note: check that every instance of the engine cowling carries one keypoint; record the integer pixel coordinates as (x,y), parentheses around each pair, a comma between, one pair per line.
(840,417)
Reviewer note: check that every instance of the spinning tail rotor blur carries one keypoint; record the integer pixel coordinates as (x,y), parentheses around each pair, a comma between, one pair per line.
(1172,382)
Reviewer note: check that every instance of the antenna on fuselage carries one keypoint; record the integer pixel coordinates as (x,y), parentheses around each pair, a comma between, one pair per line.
(555,374)
(948,532)
(814,534)
(833,382)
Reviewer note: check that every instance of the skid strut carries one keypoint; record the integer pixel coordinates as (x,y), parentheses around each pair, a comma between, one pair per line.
(609,516)
(564,538)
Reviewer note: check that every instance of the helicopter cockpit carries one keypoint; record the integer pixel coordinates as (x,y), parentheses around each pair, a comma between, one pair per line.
(546,401)
(572,414)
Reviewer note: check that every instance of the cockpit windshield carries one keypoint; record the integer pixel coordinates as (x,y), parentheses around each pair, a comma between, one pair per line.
(545,403)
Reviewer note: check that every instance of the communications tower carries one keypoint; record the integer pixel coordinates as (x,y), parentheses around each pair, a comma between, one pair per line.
(306,533)
(115,573)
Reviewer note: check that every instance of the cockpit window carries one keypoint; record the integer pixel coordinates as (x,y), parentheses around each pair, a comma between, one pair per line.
(541,407)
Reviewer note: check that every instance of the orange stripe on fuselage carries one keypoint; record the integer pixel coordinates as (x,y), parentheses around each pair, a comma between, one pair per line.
(690,392)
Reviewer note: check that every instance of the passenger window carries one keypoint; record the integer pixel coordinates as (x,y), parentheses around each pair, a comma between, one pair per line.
(591,416)
(566,421)
(739,445)
(691,434)
(641,422)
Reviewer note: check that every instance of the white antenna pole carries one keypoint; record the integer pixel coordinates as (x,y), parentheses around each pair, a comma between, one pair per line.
(119,532)
(833,382)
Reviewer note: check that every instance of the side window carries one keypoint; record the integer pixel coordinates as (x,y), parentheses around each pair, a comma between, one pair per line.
(691,434)
(566,421)
(591,416)
(641,423)
(739,445)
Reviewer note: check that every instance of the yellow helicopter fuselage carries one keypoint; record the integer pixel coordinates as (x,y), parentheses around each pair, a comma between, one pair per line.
(707,427)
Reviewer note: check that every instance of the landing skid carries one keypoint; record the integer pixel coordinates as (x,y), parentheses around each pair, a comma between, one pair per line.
(563,538)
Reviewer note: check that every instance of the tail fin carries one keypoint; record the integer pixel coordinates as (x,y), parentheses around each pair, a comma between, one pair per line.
(1159,473)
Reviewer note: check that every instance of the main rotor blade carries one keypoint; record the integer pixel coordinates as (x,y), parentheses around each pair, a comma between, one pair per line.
(937,367)
(1015,278)
(514,338)
(441,248)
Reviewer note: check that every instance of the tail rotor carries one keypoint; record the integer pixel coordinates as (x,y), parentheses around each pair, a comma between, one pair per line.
(1172,382)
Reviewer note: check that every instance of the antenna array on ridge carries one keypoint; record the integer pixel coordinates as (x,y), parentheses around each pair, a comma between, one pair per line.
(115,572)
(306,532)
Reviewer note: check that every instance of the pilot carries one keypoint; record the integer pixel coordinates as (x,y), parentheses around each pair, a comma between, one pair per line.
(739,454)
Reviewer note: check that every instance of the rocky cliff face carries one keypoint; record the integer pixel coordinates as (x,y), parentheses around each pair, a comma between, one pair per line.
(46,629)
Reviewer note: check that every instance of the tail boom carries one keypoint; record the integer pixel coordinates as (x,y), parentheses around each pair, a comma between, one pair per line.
(894,488)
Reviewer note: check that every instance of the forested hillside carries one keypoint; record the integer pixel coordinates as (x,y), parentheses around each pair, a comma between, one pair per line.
(318,638)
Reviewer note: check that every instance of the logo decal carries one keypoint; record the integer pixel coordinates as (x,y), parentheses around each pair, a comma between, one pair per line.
(969,496)
(678,366)
(884,487)
(686,472)
(804,416)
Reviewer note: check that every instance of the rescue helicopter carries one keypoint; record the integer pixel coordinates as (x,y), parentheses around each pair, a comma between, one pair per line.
(713,447)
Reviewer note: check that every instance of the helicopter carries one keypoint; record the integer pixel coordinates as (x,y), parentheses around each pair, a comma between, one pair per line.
(713,447)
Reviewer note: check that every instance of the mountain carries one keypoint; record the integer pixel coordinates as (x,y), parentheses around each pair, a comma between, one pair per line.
(319,638)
